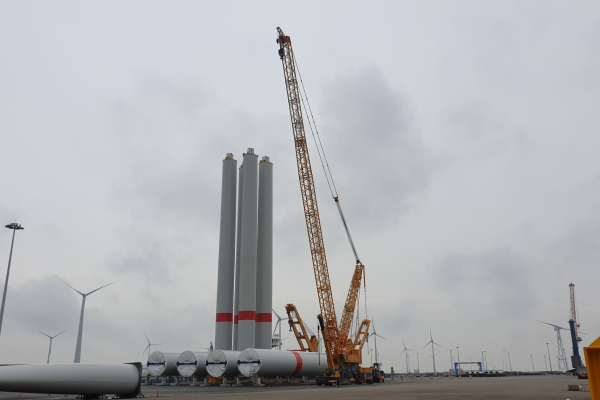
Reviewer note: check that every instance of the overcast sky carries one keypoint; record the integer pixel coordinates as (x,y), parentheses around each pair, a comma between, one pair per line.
(462,136)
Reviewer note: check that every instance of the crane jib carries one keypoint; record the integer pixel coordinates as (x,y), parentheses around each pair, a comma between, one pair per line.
(309,199)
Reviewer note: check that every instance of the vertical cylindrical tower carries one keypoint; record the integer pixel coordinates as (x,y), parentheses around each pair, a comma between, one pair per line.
(248,250)
(225,274)
(236,303)
(264,265)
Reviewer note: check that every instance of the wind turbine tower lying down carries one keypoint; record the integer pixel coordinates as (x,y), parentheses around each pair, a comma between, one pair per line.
(80,332)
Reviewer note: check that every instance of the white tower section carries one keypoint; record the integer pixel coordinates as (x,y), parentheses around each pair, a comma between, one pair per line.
(225,276)
(264,267)
(248,253)
(236,305)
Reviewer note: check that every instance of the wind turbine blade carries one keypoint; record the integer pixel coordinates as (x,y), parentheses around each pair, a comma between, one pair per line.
(68,285)
(145,349)
(59,333)
(379,336)
(552,325)
(430,336)
(436,344)
(45,334)
(147,338)
(87,294)
(277,315)
(426,344)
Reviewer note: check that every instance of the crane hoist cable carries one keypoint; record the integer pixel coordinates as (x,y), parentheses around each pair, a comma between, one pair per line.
(329,175)
(321,149)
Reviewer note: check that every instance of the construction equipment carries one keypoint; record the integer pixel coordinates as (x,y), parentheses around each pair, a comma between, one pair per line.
(562,358)
(344,352)
(574,328)
(305,337)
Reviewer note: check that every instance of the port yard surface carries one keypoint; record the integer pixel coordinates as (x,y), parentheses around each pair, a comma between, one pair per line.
(517,387)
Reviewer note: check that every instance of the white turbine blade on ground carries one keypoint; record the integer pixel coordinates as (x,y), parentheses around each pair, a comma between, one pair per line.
(87,294)
(68,285)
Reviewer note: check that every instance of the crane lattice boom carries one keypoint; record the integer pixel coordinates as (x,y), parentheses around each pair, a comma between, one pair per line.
(309,198)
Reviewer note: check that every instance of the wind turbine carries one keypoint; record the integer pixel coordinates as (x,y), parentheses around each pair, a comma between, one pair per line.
(80,332)
(562,358)
(432,350)
(376,335)
(209,349)
(406,350)
(279,319)
(451,360)
(532,366)
(149,347)
(482,359)
(50,349)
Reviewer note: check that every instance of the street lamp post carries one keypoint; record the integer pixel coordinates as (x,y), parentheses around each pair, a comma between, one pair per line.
(15,227)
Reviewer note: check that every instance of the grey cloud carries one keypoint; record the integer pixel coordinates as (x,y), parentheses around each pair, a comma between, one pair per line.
(498,280)
(580,247)
(40,304)
(378,157)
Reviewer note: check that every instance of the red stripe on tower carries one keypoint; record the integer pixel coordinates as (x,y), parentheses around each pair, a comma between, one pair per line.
(236,319)
(264,317)
(247,316)
(224,317)
(298,363)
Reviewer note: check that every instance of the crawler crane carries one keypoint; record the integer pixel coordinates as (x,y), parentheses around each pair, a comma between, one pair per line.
(344,352)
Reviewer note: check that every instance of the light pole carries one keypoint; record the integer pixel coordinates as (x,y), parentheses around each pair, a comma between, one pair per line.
(549,358)
(458,354)
(15,227)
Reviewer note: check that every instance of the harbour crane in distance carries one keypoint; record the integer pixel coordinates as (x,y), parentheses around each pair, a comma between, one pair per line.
(574,328)
(344,352)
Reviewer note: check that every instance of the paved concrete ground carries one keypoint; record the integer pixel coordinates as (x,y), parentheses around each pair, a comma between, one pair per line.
(518,387)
